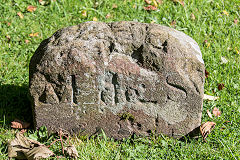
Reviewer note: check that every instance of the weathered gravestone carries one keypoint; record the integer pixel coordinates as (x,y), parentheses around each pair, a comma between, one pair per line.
(122,77)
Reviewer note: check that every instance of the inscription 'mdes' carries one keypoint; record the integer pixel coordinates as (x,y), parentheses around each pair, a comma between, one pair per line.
(83,89)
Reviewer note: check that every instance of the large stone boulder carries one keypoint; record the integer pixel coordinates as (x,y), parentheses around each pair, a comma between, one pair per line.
(123,77)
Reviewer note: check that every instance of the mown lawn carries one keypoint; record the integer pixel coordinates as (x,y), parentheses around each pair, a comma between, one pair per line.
(214,24)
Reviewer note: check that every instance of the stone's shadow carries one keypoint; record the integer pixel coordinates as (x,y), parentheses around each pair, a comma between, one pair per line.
(194,134)
(14,104)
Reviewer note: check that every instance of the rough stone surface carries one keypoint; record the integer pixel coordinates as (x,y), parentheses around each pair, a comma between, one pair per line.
(122,77)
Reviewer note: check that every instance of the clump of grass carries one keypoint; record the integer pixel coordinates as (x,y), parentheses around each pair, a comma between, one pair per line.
(127,116)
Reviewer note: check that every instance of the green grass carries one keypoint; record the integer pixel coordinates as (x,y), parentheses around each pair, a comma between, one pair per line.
(210,24)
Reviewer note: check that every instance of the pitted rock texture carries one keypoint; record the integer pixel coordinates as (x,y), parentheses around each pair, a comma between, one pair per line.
(122,77)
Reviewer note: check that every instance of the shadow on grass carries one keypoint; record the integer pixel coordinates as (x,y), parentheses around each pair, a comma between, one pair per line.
(14,104)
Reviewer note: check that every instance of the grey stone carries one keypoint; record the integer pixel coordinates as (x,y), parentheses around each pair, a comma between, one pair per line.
(121,77)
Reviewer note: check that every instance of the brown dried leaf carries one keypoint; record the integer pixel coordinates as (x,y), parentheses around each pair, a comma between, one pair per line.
(193,16)
(38,153)
(23,131)
(27,41)
(114,6)
(208,97)
(18,146)
(235,21)
(155,3)
(206,73)
(206,128)
(150,8)
(179,1)
(84,13)
(173,23)
(18,124)
(209,114)
(237,51)
(95,19)
(42,2)
(160,2)
(226,122)
(216,112)
(220,86)
(31,8)
(206,43)
(225,12)
(20,15)
(148,1)
(8,38)
(108,16)
(33,34)
(71,151)
(24,148)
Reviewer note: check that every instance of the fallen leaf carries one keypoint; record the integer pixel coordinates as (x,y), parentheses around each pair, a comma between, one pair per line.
(25,148)
(208,97)
(193,16)
(206,43)
(71,151)
(108,16)
(160,2)
(152,22)
(226,122)
(18,124)
(42,2)
(84,13)
(95,19)
(225,12)
(216,112)
(114,6)
(150,8)
(155,3)
(235,21)
(31,8)
(224,60)
(206,73)
(148,1)
(38,153)
(179,1)
(16,147)
(237,51)
(206,128)
(33,34)
(8,23)
(173,23)
(220,86)
(209,114)
(23,131)
(222,128)
(27,41)
(8,38)
(20,15)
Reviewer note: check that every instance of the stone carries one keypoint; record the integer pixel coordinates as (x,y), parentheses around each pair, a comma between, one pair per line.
(123,78)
